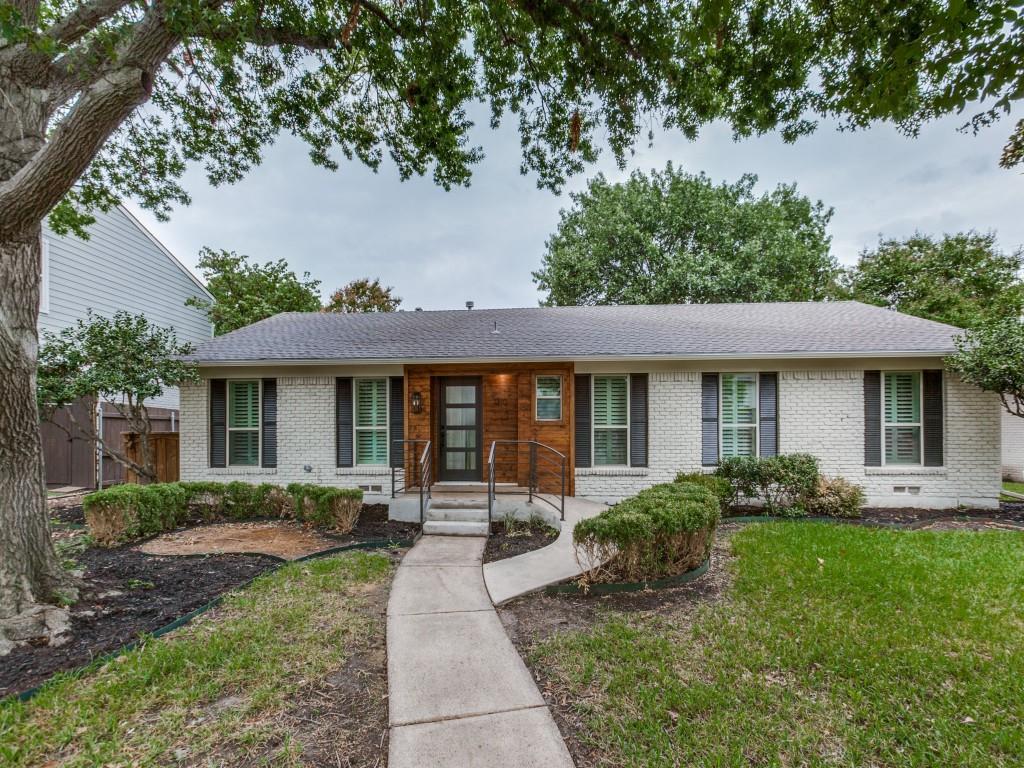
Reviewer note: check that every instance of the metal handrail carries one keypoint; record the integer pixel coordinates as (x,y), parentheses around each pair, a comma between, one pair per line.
(422,473)
(551,456)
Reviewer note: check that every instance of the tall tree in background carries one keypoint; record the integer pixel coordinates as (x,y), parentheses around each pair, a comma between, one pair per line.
(369,77)
(363,295)
(245,292)
(961,279)
(672,237)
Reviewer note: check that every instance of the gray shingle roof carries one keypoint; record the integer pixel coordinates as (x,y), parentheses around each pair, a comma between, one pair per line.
(670,331)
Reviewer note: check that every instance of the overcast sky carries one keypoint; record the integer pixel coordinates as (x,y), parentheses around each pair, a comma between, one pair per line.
(439,248)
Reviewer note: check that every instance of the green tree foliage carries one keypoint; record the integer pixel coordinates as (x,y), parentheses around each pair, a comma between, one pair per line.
(672,237)
(125,361)
(363,295)
(991,357)
(245,292)
(962,279)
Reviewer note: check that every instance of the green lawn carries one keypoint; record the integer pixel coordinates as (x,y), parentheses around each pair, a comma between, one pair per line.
(155,705)
(1011,486)
(836,645)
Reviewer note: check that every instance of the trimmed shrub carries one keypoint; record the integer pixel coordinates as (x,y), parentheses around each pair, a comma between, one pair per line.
(336,508)
(783,483)
(719,486)
(836,497)
(662,531)
(126,513)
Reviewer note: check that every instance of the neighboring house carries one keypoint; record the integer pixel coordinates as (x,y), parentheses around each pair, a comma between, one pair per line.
(120,267)
(1013,447)
(630,395)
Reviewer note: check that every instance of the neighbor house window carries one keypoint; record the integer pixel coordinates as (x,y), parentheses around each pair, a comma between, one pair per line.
(244,423)
(902,428)
(371,421)
(611,421)
(548,398)
(739,414)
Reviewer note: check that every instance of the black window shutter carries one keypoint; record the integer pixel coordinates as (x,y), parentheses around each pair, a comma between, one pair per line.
(581,400)
(218,422)
(268,440)
(343,420)
(931,385)
(396,417)
(768,413)
(872,419)
(709,419)
(638,420)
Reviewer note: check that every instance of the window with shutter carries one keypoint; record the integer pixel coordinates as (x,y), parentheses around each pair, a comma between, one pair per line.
(610,411)
(371,421)
(738,414)
(902,417)
(244,423)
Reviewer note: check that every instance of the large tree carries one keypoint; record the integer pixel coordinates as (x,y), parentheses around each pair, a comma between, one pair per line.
(104,99)
(672,237)
(962,279)
(363,295)
(244,292)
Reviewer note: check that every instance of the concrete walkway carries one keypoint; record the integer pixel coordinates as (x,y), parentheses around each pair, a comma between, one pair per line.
(459,694)
(555,563)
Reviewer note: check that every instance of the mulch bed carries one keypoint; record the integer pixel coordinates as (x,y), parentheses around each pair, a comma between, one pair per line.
(521,539)
(1009,514)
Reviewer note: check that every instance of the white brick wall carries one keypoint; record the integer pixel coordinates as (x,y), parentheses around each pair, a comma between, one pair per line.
(1013,446)
(821,412)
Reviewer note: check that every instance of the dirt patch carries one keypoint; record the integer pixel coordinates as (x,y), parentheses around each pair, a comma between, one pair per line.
(374,524)
(517,539)
(70,513)
(289,540)
(126,593)
(532,619)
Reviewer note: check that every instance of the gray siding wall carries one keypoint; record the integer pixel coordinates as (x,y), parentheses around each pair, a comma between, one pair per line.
(119,268)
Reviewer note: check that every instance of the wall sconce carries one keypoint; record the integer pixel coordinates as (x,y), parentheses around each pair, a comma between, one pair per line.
(417,402)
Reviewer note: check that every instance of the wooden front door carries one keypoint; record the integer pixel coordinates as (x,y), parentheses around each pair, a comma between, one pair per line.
(461,429)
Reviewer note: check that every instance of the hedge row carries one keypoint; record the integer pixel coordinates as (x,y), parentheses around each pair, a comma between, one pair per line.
(126,513)
(662,531)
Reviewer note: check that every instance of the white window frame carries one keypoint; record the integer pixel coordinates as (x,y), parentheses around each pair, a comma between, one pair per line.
(356,429)
(259,422)
(44,283)
(594,427)
(919,423)
(537,397)
(757,412)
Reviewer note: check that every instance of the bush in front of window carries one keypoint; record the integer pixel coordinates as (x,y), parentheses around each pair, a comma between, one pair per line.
(783,484)
(127,513)
(836,497)
(663,531)
(719,486)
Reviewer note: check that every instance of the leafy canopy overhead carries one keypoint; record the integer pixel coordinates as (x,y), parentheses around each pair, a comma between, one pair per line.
(245,292)
(363,295)
(991,357)
(369,78)
(962,279)
(672,237)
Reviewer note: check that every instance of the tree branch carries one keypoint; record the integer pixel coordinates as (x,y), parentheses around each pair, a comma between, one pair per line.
(83,20)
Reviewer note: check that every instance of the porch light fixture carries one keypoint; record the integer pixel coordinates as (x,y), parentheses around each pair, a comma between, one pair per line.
(417,402)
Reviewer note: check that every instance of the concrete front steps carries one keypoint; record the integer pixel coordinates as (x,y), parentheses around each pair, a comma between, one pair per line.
(458,516)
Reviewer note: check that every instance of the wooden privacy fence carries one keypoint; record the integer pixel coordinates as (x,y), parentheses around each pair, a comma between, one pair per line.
(165,455)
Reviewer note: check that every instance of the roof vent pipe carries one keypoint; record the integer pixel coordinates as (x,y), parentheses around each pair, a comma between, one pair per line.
(419,309)
(469,305)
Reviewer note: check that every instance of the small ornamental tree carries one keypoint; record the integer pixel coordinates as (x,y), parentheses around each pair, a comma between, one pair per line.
(363,295)
(245,292)
(991,357)
(123,360)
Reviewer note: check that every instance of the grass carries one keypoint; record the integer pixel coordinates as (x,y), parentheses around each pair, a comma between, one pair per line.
(837,646)
(1011,486)
(154,705)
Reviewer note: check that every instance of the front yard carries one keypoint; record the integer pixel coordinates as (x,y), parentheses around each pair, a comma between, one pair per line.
(288,671)
(826,645)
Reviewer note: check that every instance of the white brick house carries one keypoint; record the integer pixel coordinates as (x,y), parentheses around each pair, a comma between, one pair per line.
(629,396)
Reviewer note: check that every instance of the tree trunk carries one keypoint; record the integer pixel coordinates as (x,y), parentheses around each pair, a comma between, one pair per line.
(31,576)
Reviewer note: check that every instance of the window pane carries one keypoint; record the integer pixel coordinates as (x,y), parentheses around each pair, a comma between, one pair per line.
(610,401)
(460,438)
(902,445)
(371,402)
(243,448)
(460,417)
(456,394)
(549,409)
(902,398)
(371,446)
(244,407)
(549,386)
(739,441)
(739,398)
(610,447)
